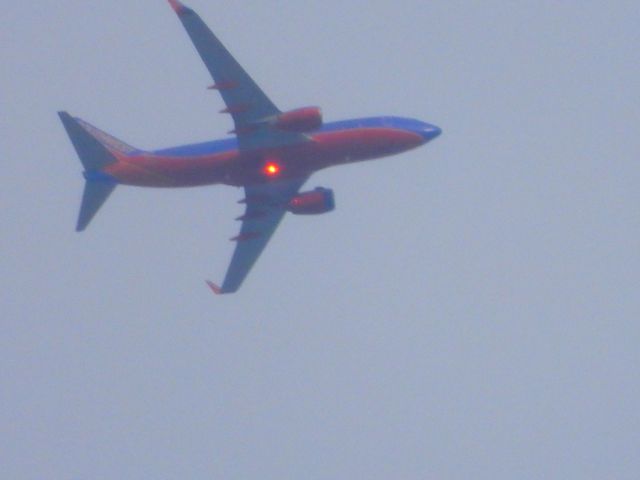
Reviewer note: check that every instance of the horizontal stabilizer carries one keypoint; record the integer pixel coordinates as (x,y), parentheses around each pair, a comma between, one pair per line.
(96,149)
(109,141)
(93,154)
(95,194)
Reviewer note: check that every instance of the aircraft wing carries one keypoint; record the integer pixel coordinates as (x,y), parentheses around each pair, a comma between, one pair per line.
(245,101)
(265,207)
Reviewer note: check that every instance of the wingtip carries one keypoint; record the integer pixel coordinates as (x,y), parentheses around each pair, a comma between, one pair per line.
(214,288)
(179,7)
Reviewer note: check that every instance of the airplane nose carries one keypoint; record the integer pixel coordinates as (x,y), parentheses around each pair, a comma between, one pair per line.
(429,132)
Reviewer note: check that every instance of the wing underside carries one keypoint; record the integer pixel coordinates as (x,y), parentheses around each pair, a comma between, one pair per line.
(251,110)
(245,101)
(266,205)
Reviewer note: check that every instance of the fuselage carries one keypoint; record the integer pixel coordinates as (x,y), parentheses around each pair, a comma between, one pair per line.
(222,162)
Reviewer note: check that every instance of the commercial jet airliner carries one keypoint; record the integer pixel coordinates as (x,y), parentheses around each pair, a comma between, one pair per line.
(271,155)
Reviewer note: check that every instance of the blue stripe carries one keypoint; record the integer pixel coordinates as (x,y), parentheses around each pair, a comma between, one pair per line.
(219,146)
(197,149)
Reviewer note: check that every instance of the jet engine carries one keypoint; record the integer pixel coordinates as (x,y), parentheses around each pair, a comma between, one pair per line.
(300,120)
(319,200)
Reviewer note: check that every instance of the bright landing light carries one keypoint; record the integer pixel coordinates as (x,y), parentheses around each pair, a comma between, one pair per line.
(271,169)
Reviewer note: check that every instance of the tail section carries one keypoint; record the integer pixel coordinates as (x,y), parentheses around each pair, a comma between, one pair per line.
(95,194)
(96,150)
(112,143)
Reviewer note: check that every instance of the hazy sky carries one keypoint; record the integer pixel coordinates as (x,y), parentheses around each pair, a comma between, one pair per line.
(470,310)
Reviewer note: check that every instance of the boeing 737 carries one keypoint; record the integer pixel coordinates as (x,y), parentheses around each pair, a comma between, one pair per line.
(271,154)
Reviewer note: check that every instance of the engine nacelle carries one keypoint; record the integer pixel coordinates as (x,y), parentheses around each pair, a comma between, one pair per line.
(300,120)
(319,200)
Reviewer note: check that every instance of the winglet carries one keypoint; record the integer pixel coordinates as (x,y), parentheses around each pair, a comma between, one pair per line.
(179,7)
(214,288)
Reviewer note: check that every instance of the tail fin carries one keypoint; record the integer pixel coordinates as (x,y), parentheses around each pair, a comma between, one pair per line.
(95,149)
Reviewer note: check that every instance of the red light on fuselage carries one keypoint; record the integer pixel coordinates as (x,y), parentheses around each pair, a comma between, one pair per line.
(271,169)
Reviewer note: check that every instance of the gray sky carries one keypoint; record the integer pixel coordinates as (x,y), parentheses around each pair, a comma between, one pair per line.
(470,310)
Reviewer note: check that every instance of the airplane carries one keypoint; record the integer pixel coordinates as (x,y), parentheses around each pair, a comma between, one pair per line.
(271,155)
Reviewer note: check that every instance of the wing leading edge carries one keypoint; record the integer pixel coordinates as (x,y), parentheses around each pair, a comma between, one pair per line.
(266,205)
(245,101)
